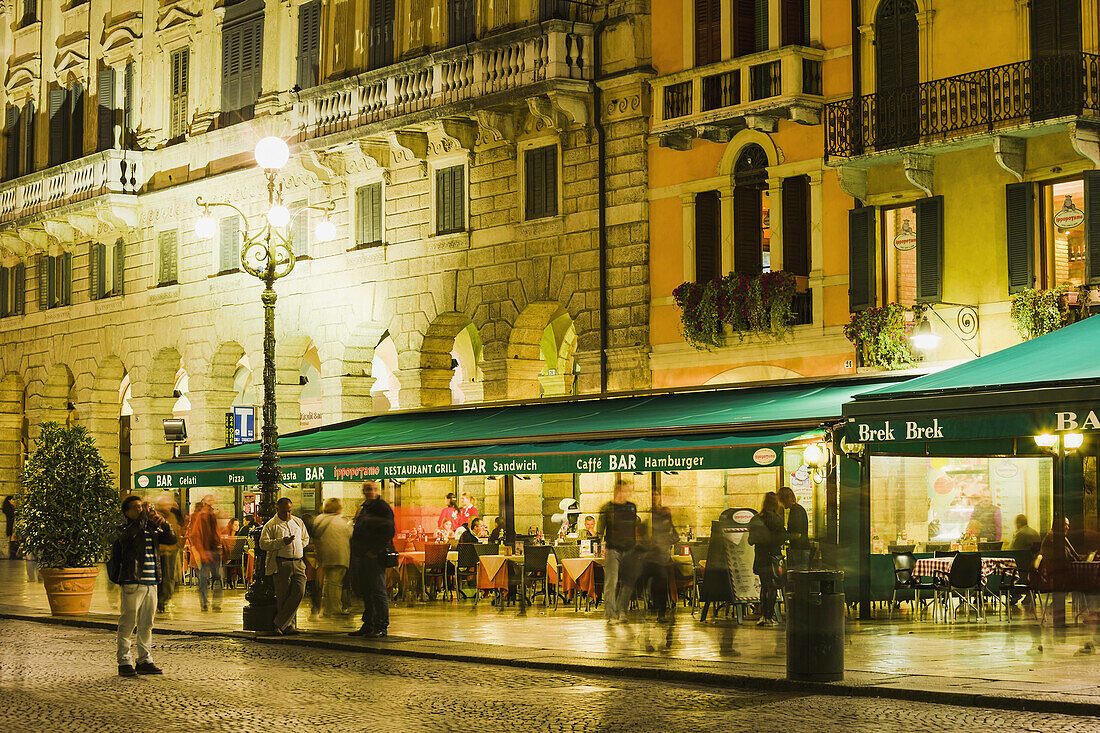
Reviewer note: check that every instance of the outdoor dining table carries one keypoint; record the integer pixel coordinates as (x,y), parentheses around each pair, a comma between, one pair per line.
(579,573)
(928,566)
(492,572)
(413,561)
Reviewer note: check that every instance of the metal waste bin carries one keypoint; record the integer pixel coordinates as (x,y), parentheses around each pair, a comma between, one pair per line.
(815,625)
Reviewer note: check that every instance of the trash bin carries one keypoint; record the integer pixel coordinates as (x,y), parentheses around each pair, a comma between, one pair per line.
(815,625)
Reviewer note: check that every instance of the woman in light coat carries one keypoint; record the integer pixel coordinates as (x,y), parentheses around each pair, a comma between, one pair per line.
(332,538)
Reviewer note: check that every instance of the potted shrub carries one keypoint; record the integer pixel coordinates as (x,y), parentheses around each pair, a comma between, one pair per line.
(67,508)
(743,304)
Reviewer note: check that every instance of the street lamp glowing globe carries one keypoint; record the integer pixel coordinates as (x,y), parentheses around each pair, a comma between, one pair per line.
(326,231)
(272,153)
(278,216)
(205,227)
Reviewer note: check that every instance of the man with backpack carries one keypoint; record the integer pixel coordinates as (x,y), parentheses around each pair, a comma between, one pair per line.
(133,565)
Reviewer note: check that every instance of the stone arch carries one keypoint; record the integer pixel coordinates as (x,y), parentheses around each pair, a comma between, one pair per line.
(211,394)
(12,410)
(348,377)
(753,373)
(742,140)
(152,400)
(524,356)
(290,352)
(430,384)
(386,389)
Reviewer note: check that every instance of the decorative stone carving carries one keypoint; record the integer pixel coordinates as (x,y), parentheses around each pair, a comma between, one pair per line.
(1009,152)
(918,170)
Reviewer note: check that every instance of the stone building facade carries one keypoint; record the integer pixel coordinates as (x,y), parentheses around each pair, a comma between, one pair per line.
(418,123)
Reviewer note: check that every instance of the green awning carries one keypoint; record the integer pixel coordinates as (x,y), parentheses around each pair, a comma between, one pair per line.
(698,430)
(1047,384)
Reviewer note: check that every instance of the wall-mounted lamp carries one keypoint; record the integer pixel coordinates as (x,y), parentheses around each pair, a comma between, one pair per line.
(966,327)
(1069,441)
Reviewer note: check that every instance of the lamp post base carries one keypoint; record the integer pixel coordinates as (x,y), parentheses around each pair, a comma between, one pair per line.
(258,617)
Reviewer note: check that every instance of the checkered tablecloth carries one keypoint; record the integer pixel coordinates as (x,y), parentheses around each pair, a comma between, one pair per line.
(929,566)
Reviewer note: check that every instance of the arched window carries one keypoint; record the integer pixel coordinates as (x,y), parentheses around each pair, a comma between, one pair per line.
(751,226)
(897,74)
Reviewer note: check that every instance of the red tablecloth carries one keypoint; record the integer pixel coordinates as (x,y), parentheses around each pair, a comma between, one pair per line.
(579,573)
(929,566)
(492,570)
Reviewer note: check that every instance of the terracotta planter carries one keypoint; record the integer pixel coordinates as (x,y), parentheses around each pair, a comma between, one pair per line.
(69,590)
(1071,297)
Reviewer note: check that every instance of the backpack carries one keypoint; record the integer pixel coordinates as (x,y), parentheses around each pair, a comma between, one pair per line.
(759,534)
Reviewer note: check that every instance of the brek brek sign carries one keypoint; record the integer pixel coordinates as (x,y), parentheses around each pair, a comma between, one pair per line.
(894,431)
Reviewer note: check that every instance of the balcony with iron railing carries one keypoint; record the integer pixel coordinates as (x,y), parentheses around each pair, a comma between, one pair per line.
(524,61)
(80,180)
(784,83)
(968,105)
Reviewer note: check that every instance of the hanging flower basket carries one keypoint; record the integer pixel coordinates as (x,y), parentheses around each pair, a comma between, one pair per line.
(881,336)
(746,304)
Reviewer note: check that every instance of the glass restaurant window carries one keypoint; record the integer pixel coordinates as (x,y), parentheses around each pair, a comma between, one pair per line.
(899,255)
(1062,246)
(930,501)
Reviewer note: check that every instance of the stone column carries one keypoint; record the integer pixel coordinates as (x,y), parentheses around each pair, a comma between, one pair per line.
(528,503)
(346,397)
(101,418)
(206,426)
(555,487)
(588,374)
(11,428)
(424,387)
(147,446)
(511,379)
(556,385)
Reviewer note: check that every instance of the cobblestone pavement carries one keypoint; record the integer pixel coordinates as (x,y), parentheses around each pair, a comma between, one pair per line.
(55,678)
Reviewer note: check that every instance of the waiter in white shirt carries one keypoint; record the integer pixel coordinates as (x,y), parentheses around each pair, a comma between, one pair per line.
(284,538)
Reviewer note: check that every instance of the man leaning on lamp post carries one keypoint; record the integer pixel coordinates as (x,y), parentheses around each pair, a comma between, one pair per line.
(284,538)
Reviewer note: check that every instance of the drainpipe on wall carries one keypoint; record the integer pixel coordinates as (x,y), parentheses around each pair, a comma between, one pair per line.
(857,68)
(601,196)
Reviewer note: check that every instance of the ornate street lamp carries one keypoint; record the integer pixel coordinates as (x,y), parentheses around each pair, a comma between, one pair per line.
(267,253)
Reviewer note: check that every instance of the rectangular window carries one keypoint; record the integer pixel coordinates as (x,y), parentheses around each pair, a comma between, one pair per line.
(128,93)
(708,32)
(30,12)
(552,9)
(309,44)
(930,502)
(380,52)
(796,225)
(751,230)
(461,21)
(899,255)
(796,22)
(105,270)
(27,119)
(541,173)
(5,292)
(179,84)
(744,27)
(14,300)
(229,250)
(708,236)
(55,281)
(1062,253)
(167,258)
(66,124)
(11,143)
(300,230)
(242,64)
(105,109)
(368,215)
(450,200)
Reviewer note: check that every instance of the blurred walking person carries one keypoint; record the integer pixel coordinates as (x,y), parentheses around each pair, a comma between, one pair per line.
(618,526)
(332,538)
(370,543)
(797,524)
(206,551)
(284,539)
(766,535)
(166,554)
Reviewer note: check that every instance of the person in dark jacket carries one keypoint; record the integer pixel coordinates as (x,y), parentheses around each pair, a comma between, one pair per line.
(134,552)
(9,516)
(769,555)
(370,541)
(618,526)
(798,529)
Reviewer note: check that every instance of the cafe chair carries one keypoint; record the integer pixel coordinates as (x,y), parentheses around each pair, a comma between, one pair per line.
(465,568)
(493,549)
(944,553)
(904,580)
(233,570)
(435,568)
(535,558)
(1013,584)
(698,562)
(990,546)
(962,581)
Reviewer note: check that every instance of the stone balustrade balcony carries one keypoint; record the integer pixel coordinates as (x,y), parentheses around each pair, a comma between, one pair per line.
(757,90)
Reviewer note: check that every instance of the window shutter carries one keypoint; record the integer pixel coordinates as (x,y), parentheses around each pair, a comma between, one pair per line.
(441,200)
(377,232)
(462,21)
(299,233)
(748,236)
(744,27)
(760,40)
(1020,228)
(4,300)
(180,83)
(708,32)
(796,225)
(542,182)
(11,129)
(168,265)
(95,271)
(59,126)
(708,236)
(76,126)
(231,69)
(458,194)
(229,259)
(28,119)
(861,258)
(128,105)
(44,264)
(65,280)
(450,204)
(119,285)
(930,249)
(309,44)
(794,21)
(105,117)
(1092,226)
(381,33)
(550,187)
(19,307)
(252,57)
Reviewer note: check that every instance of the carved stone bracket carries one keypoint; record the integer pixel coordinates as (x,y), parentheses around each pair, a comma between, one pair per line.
(574,111)
(1009,152)
(764,123)
(853,181)
(453,134)
(319,164)
(87,226)
(408,147)
(678,140)
(1085,138)
(60,231)
(496,128)
(542,116)
(11,242)
(918,170)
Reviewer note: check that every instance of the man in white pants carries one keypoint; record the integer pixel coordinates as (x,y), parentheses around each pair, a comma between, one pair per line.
(134,567)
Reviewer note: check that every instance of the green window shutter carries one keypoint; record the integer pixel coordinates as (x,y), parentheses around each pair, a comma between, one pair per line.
(542,182)
(231,69)
(102,278)
(59,126)
(309,44)
(796,225)
(19,306)
(368,215)
(105,112)
(168,266)
(51,265)
(1020,230)
(128,105)
(748,234)
(441,200)
(374,215)
(95,271)
(1092,226)
(930,249)
(761,25)
(118,286)
(550,190)
(533,179)
(861,258)
(4,288)
(11,130)
(458,189)
(299,235)
(76,126)
(708,236)
(179,85)
(28,120)
(229,258)
(65,279)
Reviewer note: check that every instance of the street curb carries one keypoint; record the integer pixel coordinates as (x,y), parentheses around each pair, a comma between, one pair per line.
(610,669)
